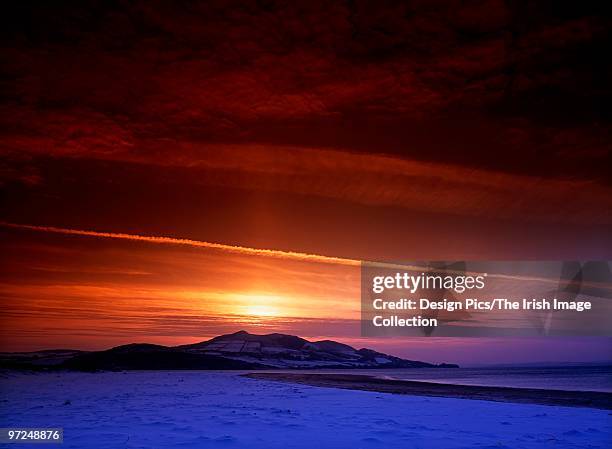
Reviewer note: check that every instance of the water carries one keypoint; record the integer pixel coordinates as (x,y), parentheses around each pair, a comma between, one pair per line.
(575,378)
(591,378)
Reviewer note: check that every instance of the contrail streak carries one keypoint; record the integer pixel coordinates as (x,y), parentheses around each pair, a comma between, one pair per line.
(275,253)
(245,250)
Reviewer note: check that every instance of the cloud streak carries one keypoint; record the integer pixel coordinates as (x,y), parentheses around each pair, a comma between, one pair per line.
(249,251)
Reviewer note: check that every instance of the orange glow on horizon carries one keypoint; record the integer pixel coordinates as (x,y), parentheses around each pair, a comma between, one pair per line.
(89,293)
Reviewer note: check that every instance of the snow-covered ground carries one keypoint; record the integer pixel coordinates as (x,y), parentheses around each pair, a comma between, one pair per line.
(222,409)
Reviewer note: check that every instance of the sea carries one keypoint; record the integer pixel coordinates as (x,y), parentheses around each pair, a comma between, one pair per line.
(568,378)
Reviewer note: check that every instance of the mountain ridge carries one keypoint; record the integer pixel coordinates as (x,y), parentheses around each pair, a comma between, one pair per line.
(238,350)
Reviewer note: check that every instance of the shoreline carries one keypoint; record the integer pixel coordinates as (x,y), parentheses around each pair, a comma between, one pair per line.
(584,399)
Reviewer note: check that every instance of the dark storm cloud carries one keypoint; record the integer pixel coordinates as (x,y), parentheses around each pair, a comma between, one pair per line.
(461,94)
(100,77)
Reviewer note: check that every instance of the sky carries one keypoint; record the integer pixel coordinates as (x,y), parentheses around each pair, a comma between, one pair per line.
(349,130)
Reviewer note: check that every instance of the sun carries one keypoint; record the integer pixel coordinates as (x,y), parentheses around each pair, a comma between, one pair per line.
(261,310)
(259,304)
